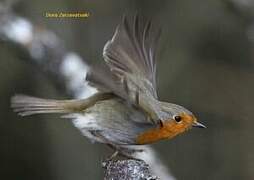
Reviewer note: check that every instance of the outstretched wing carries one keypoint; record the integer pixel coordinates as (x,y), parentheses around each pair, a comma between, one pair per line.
(131,52)
(130,56)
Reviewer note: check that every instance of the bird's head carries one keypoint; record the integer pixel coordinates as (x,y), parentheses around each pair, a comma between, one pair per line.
(179,119)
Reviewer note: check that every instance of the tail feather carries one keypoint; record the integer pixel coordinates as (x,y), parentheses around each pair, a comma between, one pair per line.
(26,105)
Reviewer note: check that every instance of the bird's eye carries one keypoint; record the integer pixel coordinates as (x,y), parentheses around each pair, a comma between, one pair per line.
(177,118)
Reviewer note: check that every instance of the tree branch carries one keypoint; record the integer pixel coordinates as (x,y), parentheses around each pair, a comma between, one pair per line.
(127,169)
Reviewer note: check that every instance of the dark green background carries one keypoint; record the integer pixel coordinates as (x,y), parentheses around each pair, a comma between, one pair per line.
(205,64)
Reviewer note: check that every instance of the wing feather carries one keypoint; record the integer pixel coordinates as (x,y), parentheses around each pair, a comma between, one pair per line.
(132,50)
(130,56)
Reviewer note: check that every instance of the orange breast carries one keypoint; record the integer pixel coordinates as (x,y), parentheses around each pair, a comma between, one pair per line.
(168,130)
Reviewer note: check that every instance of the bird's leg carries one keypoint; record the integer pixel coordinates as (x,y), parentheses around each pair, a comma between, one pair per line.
(126,152)
(114,154)
(98,135)
(129,152)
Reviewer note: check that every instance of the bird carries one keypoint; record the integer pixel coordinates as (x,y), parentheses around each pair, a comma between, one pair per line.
(126,109)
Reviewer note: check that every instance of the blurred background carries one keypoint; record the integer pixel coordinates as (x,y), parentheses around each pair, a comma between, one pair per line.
(205,63)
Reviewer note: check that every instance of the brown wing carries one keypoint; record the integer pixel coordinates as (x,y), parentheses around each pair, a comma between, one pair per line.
(130,56)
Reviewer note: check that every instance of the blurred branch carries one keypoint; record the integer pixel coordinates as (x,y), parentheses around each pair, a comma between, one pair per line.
(242,8)
(245,10)
(47,51)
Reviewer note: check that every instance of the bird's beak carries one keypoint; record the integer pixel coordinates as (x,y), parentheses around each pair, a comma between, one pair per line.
(198,125)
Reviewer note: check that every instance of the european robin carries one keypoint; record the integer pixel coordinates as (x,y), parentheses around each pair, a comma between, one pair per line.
(126,110)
